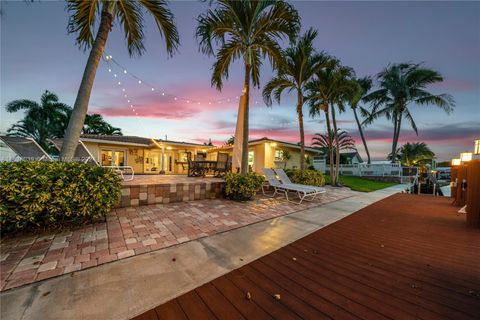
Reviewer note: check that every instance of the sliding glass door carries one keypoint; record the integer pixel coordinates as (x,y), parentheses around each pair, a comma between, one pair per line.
(113,158)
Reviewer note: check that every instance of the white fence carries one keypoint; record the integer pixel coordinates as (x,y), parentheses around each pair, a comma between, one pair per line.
(378,170)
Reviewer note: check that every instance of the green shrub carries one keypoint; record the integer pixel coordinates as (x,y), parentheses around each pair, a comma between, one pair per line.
(239,187)
(43,194)
(307,177)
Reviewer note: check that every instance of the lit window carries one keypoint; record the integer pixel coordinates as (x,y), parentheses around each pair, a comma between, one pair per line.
(250,158)
(278,155)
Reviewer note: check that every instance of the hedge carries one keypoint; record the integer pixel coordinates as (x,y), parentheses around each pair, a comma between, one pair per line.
(242,187)
(42,194)
(307,177)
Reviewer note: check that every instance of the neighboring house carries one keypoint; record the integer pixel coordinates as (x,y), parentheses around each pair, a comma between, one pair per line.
(144,155)
(268,153)
(350,157)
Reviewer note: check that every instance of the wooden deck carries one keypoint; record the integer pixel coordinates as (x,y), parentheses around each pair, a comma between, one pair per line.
(405,257)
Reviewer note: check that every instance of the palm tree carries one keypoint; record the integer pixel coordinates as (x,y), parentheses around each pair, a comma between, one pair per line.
(95,124)
(42,120)
(363,86)
(401,85)
(300,62)
(130,15)
(246,30)
(328,89)
(324,141)
(411,154)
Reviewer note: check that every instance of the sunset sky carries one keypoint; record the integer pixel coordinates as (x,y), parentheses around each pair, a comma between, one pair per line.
(38,54)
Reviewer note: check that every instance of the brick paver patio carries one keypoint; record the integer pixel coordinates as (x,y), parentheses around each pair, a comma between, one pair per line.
(132,231)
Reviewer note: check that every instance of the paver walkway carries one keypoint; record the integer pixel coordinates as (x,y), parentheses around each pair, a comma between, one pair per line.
(133,231)
(405,257)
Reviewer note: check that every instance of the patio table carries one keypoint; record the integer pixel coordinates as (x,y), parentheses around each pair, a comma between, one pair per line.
(202,166)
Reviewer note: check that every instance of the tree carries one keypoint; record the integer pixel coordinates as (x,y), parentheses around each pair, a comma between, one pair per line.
(412,154)
(329,89)
(299,64)
(326,142)
(248,31)
(362,86)
(42,121)
(130,14)
(286,156)
(95,124)
(401,85)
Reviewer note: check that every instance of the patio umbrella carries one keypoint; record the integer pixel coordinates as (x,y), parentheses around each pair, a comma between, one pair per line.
(237,144)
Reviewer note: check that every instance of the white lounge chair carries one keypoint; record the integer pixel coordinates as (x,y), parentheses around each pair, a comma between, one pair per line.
(26,148)
(303,192)
(286,180)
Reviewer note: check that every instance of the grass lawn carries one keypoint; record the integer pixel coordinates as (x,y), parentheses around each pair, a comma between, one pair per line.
(360,184)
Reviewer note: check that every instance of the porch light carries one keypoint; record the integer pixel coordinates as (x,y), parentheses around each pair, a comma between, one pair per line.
(273,144)
(477,147)
(204,150)
(465,156)
(456,162)
(169,148)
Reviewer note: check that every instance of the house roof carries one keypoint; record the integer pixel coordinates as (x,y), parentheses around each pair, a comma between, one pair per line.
(351,155)
(283,143)
(134,140)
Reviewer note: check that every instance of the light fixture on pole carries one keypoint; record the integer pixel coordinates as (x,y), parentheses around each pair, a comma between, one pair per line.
(456,162)
(465,156)
(477,147)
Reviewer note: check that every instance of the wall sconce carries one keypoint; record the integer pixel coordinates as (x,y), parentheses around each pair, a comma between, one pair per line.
(465,156)
(169,148)
(477,147)
(456,162)
(273,144)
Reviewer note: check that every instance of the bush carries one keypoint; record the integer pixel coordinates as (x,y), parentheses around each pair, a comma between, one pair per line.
(43,194)
(241,188)
(307,177)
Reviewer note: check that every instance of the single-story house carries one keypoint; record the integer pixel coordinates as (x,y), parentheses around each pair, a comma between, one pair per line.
(269,153)
(144,155)
(351,157)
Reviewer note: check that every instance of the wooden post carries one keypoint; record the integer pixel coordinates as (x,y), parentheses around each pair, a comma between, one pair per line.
(461,195)
(453,179)
(473,194)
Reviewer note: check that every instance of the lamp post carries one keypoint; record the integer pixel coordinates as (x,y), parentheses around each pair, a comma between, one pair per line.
(465,156)
(456,162)
(476,150)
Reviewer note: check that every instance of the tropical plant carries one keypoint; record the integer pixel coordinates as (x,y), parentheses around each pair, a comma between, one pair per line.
(324,142)
(95,124)
(299,65)
(286,156)
(401,85)
(242,187)
(44,120)
(46,194)
(307,177)
(363,86)
(250,31)
(329,89)
(130,15)
(230,141)
(412,154)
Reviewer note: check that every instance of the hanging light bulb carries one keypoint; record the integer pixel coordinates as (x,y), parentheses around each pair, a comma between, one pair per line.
(153,89)
(175,99)
(115,75)
(109,70)
(128,101)
(163,93)
(119,83)
(123,89)
(124,71)
(139,81)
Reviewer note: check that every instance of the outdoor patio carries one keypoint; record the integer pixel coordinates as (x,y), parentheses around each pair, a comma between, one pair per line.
(136,230)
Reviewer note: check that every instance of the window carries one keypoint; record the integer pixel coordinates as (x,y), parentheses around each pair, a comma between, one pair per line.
(112,158)
(278,155)
(251,156)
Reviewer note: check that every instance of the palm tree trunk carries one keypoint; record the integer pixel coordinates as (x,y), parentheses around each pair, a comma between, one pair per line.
(246,92)
(330,142)
(361,134)
(80,107)
(302,131)
(337,147)
(394,145)
(396,137)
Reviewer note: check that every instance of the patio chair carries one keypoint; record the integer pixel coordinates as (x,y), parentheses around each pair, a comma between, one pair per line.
(286,180)
(83,155)
(195,169)
(26,148)
(303,193)
(221,167)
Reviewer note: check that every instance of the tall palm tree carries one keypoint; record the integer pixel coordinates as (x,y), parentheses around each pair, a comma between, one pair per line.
(362,87)
(401,85)
(130,15)
(411,154)
(300,63)
(42,120)
(250,31)
(329,89)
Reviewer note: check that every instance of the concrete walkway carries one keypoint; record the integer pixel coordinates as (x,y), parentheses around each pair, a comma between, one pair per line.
(126,288)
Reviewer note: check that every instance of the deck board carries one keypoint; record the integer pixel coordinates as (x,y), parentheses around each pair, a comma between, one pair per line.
(405,257)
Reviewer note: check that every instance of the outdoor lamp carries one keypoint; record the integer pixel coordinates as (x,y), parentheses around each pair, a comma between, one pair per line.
(273,144)
(456,162)
(465,156)
(477,147)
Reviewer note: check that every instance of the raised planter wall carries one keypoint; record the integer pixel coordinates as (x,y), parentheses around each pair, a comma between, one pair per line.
(137,195)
